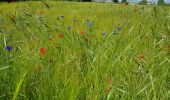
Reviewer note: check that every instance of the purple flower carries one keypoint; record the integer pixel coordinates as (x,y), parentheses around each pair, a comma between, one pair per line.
(9,48)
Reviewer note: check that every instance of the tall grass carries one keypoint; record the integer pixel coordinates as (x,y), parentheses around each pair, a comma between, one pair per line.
(90,51)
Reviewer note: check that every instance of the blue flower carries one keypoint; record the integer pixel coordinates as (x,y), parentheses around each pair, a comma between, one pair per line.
(9,48)
(89,23)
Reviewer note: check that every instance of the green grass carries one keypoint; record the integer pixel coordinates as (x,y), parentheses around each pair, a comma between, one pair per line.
(129,64)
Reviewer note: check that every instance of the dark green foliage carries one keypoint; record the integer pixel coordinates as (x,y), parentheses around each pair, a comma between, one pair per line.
(161,2)
(143,2)
(124,1)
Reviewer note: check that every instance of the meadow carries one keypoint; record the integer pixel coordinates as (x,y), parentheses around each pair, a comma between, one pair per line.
(84,51)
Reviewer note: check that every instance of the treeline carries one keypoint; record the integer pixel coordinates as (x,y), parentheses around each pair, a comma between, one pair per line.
(43,0)
(159,2)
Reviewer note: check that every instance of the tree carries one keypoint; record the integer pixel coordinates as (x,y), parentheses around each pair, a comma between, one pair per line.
(143,2)
(161,2)
(124,1)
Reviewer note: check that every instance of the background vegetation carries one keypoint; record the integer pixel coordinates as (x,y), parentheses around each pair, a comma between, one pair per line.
(68,51)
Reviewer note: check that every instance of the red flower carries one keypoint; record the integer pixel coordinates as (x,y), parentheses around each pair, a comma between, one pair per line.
(50,38)
(42,51)
(82,32)
(61,35)
(108,90)
(141,56)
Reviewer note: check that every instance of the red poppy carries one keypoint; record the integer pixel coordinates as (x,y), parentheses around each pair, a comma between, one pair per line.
(61,35)
(82,32)
(42,51)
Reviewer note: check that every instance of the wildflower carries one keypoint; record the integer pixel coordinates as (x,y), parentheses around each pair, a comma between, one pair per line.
(104,33)
(114,31)
(82,32)
(89,23)
(69,28)
(110,81)
(51,61)
(119,28)
(74,20)
(61,35)
(9,48)
(42,51)
(141,56)
(42,12)
(49,38)
(168,47)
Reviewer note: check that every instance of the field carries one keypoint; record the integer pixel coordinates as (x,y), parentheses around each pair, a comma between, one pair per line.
(84,51)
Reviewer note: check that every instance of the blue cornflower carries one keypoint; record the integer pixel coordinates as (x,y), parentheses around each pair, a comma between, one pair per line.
(89,23)
(9,48)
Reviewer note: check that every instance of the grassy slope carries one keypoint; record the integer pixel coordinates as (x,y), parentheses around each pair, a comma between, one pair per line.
(132,63)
